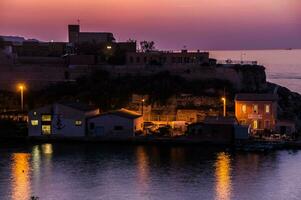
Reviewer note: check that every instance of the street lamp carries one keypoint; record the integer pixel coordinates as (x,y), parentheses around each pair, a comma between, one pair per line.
(21,88)
(142,102)
(224,102)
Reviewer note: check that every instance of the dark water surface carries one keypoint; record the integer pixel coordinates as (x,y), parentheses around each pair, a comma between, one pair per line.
(84,172)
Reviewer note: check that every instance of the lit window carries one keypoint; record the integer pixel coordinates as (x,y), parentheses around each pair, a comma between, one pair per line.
(46,129)
(255,108)
(78,123)
(255,124)
(46,118)
(267,109)
(244,108)
(34,122)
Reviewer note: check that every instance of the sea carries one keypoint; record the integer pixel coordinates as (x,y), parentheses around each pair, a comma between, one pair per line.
(283,67)
(121,172)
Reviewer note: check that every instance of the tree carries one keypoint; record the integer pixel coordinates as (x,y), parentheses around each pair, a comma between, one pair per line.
(147,46)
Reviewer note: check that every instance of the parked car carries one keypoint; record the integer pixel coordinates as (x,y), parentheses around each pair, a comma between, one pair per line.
(148,125)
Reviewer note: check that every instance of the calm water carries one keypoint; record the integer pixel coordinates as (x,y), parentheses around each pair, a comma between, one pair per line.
(282,66)
(89,172)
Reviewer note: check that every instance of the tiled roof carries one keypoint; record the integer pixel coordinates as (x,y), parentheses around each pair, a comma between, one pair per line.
(256,97)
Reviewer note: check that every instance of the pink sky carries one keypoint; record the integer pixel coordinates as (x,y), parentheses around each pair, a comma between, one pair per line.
(197,24)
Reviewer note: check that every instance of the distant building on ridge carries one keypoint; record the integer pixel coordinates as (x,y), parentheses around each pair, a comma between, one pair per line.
(75,36)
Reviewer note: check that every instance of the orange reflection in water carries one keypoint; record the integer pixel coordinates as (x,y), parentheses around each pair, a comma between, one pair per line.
(223,177)
(143,167)
(20,175)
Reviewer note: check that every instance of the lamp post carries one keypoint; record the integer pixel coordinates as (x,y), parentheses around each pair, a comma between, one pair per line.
(22,87)
(142,102)
(224,102)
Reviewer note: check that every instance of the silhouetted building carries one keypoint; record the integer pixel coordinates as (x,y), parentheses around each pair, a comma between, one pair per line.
(40,49)
(168,58)
(77,37)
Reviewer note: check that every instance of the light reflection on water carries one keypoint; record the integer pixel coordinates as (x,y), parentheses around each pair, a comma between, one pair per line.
(20,176)
(145,172)
(223,176)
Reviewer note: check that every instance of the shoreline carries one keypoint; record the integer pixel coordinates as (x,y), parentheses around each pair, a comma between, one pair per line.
(248,146)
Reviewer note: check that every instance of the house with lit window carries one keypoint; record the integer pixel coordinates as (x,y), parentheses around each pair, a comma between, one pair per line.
(118,123)
(60,119)
(259,111)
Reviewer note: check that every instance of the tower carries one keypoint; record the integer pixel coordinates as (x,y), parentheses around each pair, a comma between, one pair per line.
(73,33)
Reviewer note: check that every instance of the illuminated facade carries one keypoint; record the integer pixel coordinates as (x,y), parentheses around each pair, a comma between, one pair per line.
(257,110)
(62,119)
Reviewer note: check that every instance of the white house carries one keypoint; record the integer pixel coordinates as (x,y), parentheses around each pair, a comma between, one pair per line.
(116,123)
(61,119)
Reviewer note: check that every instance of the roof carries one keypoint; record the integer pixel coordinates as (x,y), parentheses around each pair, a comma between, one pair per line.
(79,106)
(220,120)
(256,97)
(121,113)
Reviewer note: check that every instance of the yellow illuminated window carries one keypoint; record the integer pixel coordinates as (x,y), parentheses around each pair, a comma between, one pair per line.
(46,129)
(34,122)
(267,109)
(255,108)
(244,108)
(78,123)
(46,118)
(255,124)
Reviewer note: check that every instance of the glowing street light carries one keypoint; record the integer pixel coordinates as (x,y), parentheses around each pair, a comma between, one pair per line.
(109,47)
(224,102)
(22,88)
(142,101)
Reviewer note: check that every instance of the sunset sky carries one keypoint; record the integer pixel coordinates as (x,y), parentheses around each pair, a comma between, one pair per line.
(197,24)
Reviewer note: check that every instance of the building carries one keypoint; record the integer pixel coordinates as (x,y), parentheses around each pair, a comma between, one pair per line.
(168,58)
(40,49)
(75,36)
(121,123)
(14,115)
(190,115)
(286,127)
(257,110)
(222,130)
(60,119)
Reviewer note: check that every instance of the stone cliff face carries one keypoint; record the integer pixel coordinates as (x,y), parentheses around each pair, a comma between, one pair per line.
(252,77)
(247,78)
(289,104)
